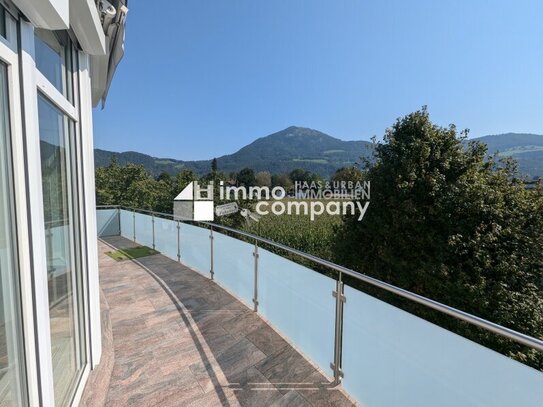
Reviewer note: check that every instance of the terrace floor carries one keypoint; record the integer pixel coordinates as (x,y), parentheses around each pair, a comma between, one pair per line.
(180,340)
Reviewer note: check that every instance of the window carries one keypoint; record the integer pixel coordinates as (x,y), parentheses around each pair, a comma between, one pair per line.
(54,59)
(11,360)
(58,155)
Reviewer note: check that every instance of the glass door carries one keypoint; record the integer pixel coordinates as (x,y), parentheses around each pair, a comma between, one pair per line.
(60,201)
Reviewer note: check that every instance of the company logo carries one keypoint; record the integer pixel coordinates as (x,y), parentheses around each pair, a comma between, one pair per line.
(313,199)
(194,203)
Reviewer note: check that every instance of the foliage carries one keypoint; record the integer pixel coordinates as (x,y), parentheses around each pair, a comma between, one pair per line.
(298,231)
(450,223)
(263,179)
(133,187)
(281,180)
(348,174)
(246,177)
(301,175)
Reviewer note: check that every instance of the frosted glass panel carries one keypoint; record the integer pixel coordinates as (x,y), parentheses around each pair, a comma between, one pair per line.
(393,358)
(166,237)
(298,301)
(234,266)
(144,229)
(127,224)
(107,222)
(195,248)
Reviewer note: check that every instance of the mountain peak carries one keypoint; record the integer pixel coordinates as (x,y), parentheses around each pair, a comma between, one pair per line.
(302,147)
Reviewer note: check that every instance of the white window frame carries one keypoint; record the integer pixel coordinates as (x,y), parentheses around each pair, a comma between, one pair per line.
(24,83)
(9,55)
(34,81)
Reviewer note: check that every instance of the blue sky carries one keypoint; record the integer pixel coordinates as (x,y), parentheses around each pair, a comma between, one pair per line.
(202,78)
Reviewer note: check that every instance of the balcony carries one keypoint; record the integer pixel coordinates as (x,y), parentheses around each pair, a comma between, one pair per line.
(220,320)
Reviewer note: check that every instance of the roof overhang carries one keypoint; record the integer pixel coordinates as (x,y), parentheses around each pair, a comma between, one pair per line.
(85,22)
(48,14)
(79,15)
(99,33)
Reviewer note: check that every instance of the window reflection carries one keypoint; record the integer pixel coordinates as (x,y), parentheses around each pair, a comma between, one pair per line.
(53,59)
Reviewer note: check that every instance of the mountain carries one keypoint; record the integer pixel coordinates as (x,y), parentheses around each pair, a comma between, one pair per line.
(526,149)
(299,147)
(281,152)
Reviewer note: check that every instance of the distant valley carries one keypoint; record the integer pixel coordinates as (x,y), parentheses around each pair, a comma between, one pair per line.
(299,147)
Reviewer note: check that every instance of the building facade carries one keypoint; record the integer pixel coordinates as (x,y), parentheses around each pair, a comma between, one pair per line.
(57,59)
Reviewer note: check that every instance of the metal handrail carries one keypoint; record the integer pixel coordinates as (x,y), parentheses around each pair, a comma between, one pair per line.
(456,313)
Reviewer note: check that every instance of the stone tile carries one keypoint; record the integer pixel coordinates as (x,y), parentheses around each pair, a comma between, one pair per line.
(291,399)
(253,389)
(209,375)
(180,340)
(290,371)
(326,396)
(238,357)
(267,340)
(244,323)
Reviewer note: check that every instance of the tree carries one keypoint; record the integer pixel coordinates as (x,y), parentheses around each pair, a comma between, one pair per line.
(449,223)
(246,177)
(301,175)
(164,176)
(214,166)
(281,180)
(347,174)
(113,183)
(263,179)
(182,179)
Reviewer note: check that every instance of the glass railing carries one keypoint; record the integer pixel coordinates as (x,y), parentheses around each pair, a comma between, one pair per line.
(382,355)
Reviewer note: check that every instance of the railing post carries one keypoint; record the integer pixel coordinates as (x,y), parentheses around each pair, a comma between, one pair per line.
(134,223)
(211,258)
(255,295)
(119,218)
(338,337)
(178,241)
(153,222)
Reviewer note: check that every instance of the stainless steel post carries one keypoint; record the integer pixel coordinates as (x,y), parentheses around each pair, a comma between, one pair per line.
(211,262)
(134,224)
(153,222)
(178,241)
(119,218)
(255,296)
(338,338)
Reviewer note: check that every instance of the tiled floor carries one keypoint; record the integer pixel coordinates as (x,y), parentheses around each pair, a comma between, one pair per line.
(180,340)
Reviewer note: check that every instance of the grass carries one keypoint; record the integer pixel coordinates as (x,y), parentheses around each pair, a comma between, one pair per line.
(131,253)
